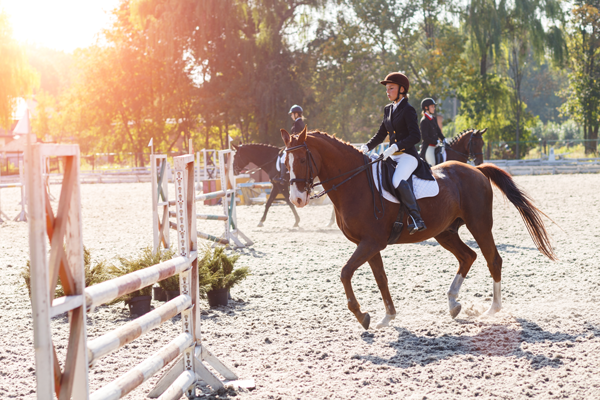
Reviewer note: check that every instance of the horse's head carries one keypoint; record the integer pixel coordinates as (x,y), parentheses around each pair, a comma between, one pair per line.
(303,164)
(239,160)
(476,146)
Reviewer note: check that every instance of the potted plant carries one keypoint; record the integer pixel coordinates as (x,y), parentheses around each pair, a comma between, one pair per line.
(170,286)
(216,275)
(139,300)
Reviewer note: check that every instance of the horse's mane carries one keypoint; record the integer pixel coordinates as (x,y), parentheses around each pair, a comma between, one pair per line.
(457,138)
(333,139)
(260,145)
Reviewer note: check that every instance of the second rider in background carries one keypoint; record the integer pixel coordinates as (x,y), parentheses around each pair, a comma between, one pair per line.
(430,131)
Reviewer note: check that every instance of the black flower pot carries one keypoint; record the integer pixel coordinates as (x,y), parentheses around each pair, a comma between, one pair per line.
(159,294)
(171,294)
(139,305)
(218,297)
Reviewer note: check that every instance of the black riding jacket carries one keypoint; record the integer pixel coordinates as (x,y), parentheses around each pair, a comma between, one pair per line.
(298,126)
(431,132)
(401,126)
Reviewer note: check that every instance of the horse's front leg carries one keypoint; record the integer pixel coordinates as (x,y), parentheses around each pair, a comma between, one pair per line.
(286,193)
(363,253)
(376,264)
(274,192)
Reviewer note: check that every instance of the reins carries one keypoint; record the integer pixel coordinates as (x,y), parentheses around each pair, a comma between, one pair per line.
(309,183)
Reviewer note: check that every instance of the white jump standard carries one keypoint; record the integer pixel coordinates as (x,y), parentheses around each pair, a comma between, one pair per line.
(67,261)
(161,203)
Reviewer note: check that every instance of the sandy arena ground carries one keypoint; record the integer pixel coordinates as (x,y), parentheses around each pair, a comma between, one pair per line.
(289,328)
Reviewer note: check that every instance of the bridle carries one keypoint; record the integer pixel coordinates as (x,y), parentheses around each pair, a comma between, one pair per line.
(309,183)
(471,156)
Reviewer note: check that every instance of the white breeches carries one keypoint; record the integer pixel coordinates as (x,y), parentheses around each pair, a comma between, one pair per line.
(406,166)
(280,160)
(430,155)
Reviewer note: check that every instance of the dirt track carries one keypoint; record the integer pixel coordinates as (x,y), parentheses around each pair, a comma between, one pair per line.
(289,327)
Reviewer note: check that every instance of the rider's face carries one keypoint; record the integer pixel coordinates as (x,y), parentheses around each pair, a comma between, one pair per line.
(392,91)
(432,109)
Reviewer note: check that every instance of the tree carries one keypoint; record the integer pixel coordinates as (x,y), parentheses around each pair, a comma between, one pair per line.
(583,100)
(17,78)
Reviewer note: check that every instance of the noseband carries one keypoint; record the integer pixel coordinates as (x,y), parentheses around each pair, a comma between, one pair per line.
(310,171)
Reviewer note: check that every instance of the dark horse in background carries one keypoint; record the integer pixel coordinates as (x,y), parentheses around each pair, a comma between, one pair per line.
(465,198)
(467,146)
(264,156)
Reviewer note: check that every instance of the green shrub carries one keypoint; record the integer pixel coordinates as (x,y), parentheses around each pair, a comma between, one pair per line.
(216,270)
(96,274)
(144,260)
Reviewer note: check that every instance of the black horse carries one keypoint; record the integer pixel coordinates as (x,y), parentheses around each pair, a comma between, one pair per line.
(265,157)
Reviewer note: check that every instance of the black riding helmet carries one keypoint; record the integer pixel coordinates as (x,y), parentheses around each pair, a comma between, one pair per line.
(427,102)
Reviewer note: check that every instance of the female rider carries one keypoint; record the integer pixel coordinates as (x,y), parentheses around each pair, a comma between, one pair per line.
(430,130)
(296,114)
(401,124)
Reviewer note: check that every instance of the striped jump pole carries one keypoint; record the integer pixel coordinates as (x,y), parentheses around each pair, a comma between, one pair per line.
(203,216)
(65,229)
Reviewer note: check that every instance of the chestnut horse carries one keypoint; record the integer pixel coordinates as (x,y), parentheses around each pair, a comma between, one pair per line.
(465,197)
(466,146)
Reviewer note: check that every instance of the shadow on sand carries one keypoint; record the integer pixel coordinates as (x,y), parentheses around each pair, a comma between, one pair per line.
(493,340)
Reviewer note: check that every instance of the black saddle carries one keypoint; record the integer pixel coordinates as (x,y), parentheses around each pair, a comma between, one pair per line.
(388,167)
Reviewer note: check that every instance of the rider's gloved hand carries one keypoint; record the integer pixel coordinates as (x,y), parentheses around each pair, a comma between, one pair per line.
(390,150)
(445,141)
(364,148)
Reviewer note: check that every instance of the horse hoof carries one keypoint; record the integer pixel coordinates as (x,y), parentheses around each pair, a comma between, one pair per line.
(454,311)
(366,321)
(490,313)
(385,321)
(260,224)
(296,225)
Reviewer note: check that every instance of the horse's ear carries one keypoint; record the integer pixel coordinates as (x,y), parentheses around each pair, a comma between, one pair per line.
(234,147)
(483,131)
(286,137)
(302,136)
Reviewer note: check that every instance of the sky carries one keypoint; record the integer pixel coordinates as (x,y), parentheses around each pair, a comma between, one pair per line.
(58,24)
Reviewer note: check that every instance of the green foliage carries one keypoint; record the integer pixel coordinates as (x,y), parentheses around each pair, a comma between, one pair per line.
(17,78)
(143,260)
(216,270)
(100,272)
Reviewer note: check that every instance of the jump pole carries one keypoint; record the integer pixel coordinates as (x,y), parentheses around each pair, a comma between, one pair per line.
(73,383)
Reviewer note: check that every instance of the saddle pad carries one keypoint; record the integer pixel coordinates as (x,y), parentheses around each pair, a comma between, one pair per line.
(422,187)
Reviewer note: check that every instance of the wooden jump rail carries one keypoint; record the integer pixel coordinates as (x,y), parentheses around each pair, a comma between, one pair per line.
(22,216)
(72,382)
(161,203)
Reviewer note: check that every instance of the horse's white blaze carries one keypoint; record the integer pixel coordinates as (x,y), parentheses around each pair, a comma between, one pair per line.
(496,301)
(453,304)
(298,198)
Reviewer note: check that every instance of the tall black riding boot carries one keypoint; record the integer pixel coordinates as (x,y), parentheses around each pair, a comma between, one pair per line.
(407,197)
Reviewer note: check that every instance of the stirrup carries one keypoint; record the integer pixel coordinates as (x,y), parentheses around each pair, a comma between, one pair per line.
(415,226)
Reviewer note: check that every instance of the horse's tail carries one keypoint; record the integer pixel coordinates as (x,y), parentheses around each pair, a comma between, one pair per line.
(532,216)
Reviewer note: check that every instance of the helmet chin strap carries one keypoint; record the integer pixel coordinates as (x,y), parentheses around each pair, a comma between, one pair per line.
(399,93)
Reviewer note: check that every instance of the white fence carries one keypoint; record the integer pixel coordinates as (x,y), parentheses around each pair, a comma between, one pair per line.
(67,262)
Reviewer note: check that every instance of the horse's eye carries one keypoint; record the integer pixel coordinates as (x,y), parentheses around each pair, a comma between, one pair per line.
(302,160)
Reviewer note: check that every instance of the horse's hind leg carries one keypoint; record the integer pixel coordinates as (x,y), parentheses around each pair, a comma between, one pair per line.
(466,257)
(486,243)
(376,264)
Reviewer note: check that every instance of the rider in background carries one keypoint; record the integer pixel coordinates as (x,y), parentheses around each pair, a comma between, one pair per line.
(401,124)
(430,130)
(296,114)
